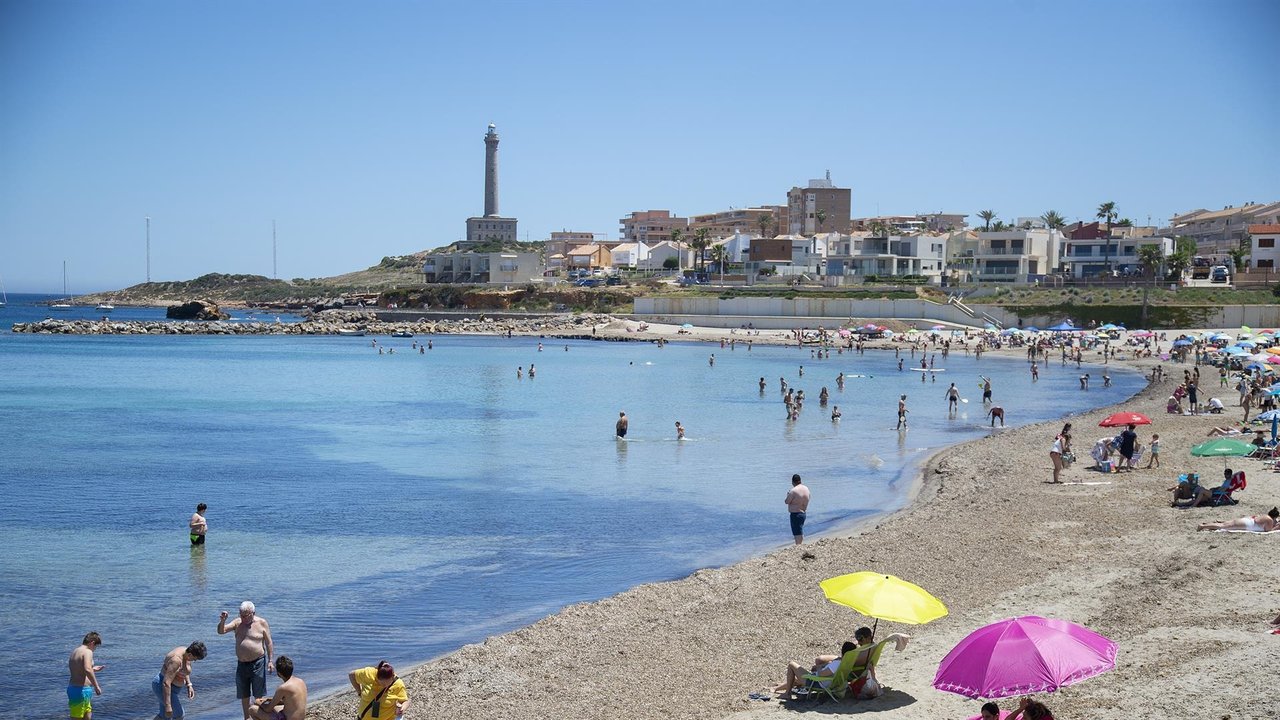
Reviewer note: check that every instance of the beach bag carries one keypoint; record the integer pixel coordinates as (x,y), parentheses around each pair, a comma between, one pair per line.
(856,685)
(1068,458)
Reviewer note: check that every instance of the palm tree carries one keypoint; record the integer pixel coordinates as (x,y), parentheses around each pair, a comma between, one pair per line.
(1000,226)
(719,256)
(676,236)
(764,221)
(1151,258)
(821,215)
(700,243)
(1107,211)
(1053,220)
(987,216)
(879,229)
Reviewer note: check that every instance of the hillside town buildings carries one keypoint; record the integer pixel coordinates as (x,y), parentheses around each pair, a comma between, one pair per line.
(1218,232)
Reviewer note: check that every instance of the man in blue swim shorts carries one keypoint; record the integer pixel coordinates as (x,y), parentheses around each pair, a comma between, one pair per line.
(797,503)
(84,678)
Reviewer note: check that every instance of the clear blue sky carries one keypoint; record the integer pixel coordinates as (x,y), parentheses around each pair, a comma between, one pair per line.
(358,126)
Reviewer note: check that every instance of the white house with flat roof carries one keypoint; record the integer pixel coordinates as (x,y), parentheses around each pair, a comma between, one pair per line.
(1090,258)
(863,254)
(1007,256)
(482,268)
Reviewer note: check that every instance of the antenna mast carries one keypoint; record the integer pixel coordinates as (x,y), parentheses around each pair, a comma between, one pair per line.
(274,274)
(148,249)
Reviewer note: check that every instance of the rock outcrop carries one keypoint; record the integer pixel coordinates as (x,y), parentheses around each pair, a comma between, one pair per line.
(205,310)
(329,323)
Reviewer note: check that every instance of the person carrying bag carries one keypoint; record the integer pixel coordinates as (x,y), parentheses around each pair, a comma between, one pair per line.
(383,695)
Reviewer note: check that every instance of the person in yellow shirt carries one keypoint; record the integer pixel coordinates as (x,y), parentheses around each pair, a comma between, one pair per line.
(382,693)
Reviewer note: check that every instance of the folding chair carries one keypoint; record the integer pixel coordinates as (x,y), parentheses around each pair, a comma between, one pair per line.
(1222,493)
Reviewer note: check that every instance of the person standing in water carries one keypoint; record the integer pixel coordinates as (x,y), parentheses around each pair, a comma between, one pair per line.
(679,431)
(84,678)
(253,652)
(953,399)
(199,526)
(902,412)
(797,504)
(620,429)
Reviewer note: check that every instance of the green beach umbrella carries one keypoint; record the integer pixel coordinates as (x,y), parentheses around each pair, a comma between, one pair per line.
(1222,447)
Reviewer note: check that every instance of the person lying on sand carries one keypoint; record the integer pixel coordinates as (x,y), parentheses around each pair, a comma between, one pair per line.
(1252,523)
(1217,431)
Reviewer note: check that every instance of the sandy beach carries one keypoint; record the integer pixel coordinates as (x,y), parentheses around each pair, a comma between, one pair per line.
(986,533)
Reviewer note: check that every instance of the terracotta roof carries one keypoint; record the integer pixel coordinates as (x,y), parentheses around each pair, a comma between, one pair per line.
(1264,229)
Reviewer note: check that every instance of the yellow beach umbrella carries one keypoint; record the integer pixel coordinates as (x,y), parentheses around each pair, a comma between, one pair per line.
(1274,349)
(884,597)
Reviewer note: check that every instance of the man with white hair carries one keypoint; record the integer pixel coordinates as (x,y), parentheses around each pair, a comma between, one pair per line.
(253,652)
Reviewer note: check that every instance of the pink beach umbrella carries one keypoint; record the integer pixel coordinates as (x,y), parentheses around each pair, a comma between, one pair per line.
(1019,656)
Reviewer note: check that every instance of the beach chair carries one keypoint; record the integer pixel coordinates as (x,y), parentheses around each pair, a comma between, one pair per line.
(1222,493)
(852,673)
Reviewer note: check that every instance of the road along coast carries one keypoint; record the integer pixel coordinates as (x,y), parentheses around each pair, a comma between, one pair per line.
(986,534)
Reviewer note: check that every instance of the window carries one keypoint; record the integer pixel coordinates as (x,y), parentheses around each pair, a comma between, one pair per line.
(1266,242)
(1268,263)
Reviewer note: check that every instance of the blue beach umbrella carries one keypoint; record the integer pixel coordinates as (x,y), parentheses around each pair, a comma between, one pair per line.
(1220,337)
(1181,343)
(1236,350)
(1063,327)
(1246,343)
(1268,416)
(1255,366)
(1031,328)
(1109,326)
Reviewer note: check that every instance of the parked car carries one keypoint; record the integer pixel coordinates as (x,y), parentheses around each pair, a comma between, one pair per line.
(589,282)
(613,280)
(1220,274)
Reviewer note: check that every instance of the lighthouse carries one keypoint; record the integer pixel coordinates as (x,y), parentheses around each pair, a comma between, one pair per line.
(490,227)
(491,171)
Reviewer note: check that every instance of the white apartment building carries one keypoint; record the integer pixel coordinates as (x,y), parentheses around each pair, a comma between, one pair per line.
(482,268)
(1009,256)
(862,254)
(1090,258)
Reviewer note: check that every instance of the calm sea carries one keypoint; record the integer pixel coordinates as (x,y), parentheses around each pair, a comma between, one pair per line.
(399,506)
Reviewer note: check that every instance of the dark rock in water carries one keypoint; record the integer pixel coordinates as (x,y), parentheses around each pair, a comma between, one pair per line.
(195,310)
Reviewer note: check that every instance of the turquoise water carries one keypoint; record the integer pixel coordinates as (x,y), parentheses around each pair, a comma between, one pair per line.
(399,506)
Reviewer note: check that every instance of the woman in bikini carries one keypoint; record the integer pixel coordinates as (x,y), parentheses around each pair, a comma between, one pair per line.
(1253,523)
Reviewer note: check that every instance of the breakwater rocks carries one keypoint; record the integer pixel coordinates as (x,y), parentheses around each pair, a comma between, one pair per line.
(337,323)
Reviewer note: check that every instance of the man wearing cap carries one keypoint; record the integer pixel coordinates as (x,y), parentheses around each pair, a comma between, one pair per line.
(253,652)
(382,693)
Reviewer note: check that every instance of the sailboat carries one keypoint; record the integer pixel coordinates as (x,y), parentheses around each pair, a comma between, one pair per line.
(65,302)
(4,297)
(105,306)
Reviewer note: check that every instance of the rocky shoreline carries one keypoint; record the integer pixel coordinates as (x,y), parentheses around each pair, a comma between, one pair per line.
(332,323)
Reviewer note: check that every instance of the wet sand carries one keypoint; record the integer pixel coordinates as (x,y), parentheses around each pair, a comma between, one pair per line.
(986,534)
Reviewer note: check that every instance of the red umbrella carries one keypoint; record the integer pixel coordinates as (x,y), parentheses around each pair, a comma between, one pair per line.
(1125,418)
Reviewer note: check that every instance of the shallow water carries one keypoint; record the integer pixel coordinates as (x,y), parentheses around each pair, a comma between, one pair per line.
(399,506)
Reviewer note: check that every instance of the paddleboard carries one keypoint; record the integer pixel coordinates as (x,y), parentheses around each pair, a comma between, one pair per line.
(928,370)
